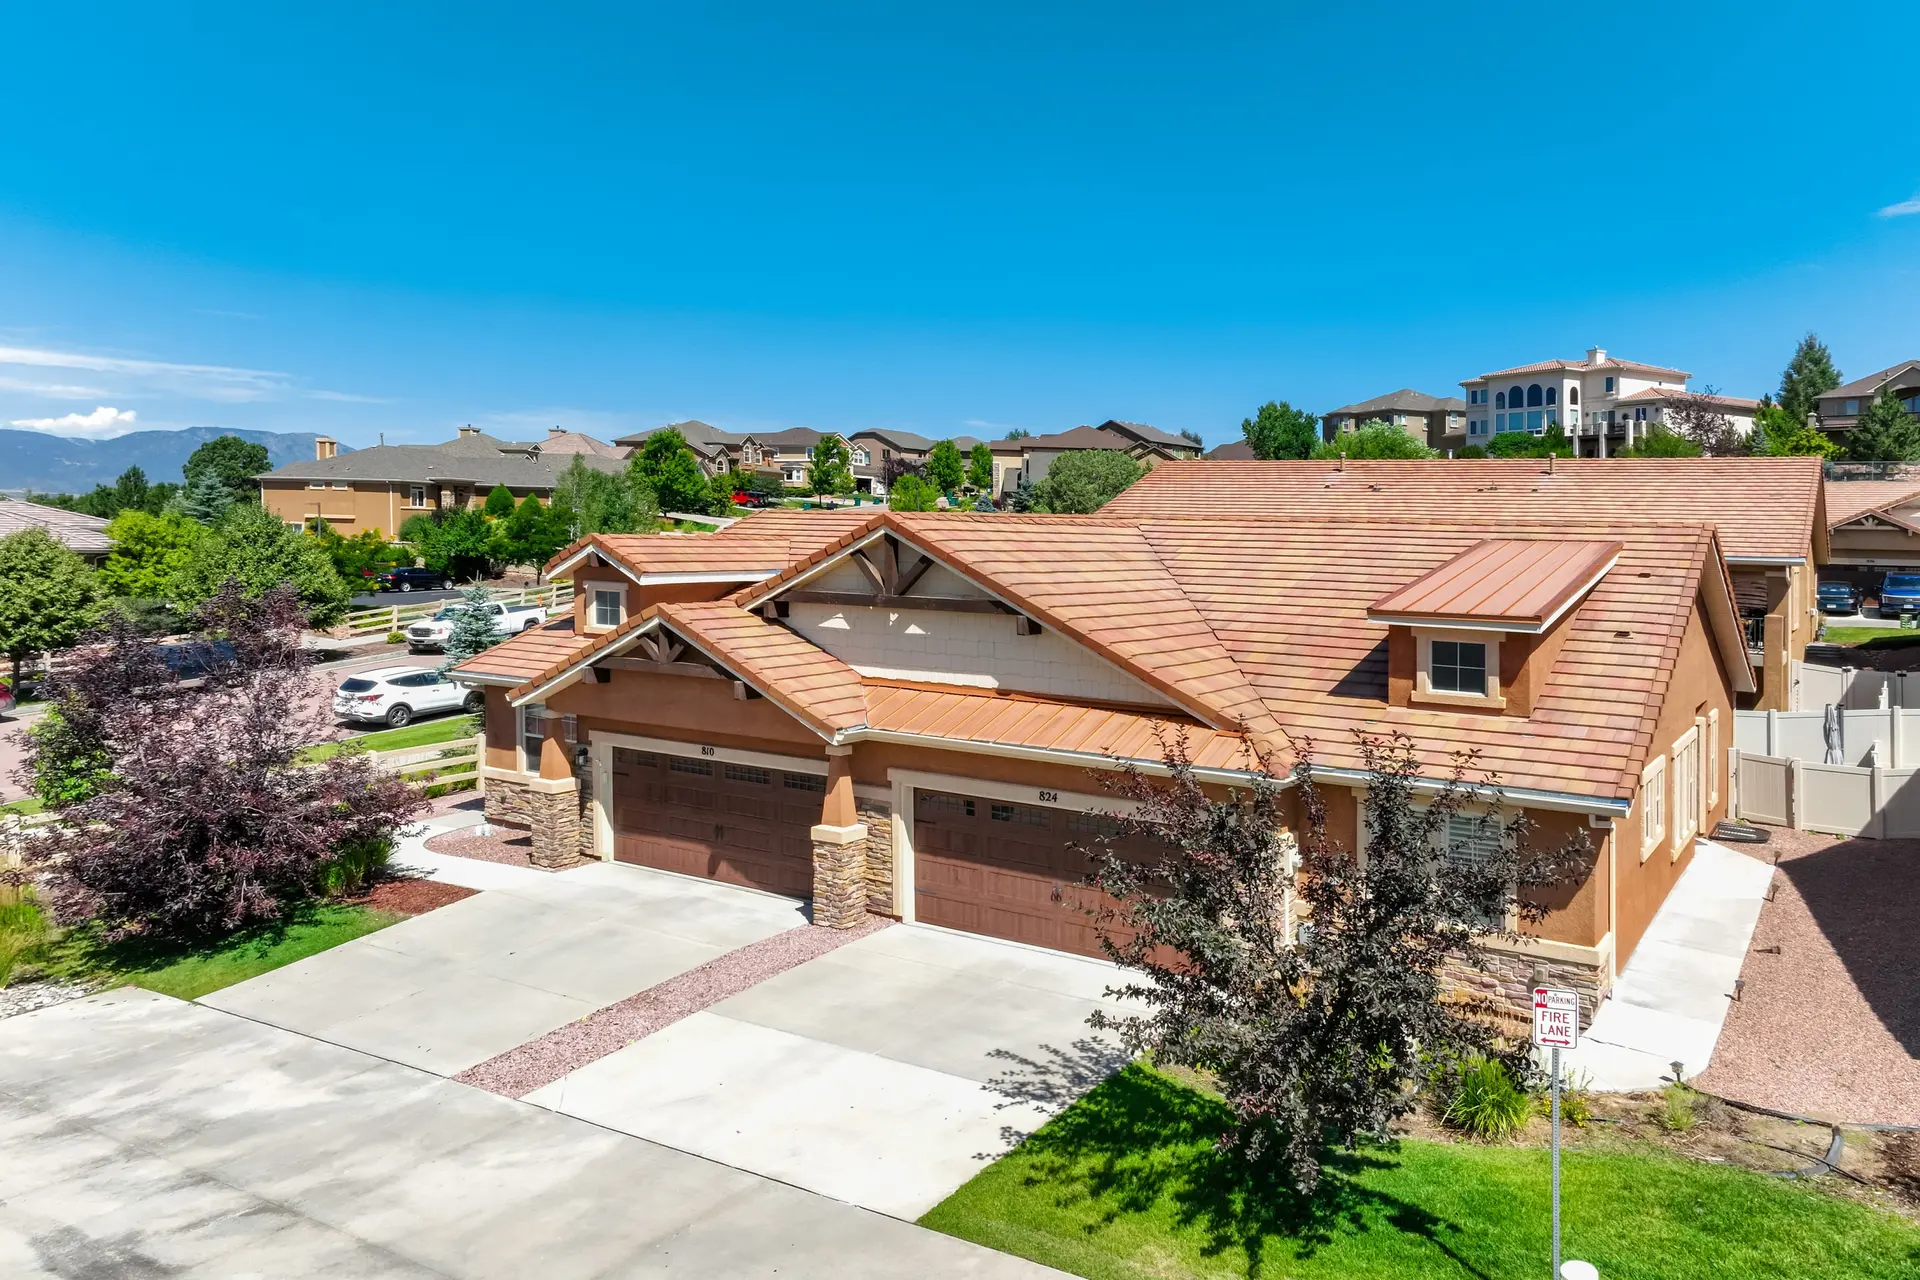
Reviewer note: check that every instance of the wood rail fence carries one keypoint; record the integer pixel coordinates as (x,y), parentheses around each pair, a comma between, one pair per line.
(387,618)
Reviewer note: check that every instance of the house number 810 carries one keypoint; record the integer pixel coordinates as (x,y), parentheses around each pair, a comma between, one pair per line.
(706,751)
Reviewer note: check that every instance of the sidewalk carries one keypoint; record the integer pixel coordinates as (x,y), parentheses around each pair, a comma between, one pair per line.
(1670,1002)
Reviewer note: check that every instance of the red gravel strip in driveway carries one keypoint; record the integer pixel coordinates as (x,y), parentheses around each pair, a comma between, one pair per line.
(1830,1026)
(519,1071)
(509,845)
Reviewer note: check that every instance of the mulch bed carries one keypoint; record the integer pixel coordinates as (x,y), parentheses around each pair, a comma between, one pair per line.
(512,846)
(409,897)
(519,1071)
(1829,1025)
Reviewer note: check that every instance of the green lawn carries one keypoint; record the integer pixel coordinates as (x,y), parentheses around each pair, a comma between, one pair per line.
(30,805)
(424,734)
(1871,637)
(187,972)
(1126,1184)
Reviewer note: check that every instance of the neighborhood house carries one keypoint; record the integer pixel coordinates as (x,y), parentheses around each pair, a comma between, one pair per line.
(909,714)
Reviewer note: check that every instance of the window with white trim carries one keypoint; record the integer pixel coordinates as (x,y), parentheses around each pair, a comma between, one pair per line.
(1470,841)
(417,495)
(1686,788)
(609,606)
(1653,806)
(533,732)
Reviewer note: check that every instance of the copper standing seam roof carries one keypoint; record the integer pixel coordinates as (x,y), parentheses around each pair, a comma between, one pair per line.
(1848,500)
(1502,582)
(1763,508)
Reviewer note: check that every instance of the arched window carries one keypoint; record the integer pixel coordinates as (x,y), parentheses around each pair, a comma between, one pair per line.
(1516,398)
(1573,396)
(1499,399)
(1553,395)
(1533,395)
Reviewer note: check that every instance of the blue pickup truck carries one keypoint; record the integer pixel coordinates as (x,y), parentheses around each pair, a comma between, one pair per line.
(1899,594)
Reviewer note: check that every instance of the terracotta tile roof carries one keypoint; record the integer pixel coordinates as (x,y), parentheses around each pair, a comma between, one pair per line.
(1763,508)
(1670,395)
(1017,720)
(1584,366)
(809,683)
(1850,499)
(1502,581)
(764,542)
(523,657)
(1289,600)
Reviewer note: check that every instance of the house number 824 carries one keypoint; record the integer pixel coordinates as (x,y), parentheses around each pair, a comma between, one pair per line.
(1049,797)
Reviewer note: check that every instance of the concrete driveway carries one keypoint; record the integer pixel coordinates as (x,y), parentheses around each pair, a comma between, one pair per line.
(143,1137)
(536,950)
(885,1073)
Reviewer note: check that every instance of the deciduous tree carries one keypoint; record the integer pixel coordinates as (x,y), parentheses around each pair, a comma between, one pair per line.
(1081,481)
(232,461)
(911,493)
(499,502)
(49,598)
(1278,430)
(147,552)
(667,467)
(1661,441)
(528,536)
(251,546)
(1376,439)
(830,467)
(980,466)
(208,820)
(1699,417)
(1784,438)
(944,467)
(1316,1035)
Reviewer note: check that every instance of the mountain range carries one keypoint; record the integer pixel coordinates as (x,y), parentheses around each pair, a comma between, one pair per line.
(57,464)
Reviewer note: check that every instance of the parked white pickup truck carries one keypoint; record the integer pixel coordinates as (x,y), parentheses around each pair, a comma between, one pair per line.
(432,633)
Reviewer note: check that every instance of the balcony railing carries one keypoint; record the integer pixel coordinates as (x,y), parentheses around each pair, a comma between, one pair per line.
(1756,629)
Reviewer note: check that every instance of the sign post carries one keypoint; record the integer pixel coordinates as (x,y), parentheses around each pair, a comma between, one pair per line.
(1556,1026)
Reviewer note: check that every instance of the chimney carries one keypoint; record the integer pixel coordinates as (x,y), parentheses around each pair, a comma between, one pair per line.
(324,447)
(1595,355)
(469,430)
(555,431)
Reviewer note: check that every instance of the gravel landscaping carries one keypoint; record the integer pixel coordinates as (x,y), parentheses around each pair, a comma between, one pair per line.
(510,845)
(521,1070)
(1829,1024)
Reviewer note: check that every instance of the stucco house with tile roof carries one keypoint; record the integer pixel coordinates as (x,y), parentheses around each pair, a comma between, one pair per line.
(1439,422)
(908,714)
(1769,513)
(1840,408)
(1874,526)
(1603,403)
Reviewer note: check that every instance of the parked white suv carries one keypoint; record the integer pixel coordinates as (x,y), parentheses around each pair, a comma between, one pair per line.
(507,620)
(395,695)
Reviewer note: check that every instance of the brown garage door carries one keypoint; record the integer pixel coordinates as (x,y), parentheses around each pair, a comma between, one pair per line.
(993,867)
(740,824)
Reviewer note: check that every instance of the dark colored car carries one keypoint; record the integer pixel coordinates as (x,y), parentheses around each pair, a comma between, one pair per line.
(410,580)
(192,659)
(1838,597)
(1900,593)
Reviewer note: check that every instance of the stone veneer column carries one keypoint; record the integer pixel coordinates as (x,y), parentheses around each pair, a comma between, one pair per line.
(553,806)
(840,875)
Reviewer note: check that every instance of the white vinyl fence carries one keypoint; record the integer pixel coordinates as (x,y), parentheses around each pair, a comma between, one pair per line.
(1888,736)
(1856,688)
(1838,799)
(552,597)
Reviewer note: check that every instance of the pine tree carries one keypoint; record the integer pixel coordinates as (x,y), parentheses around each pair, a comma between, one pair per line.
(473,629)
(206,497)
(1886,432)
(1808,376)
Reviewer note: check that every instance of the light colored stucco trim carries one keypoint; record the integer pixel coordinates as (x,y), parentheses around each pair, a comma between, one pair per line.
(710,751)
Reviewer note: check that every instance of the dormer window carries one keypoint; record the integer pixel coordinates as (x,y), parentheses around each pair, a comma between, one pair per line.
(607,608)
(1457,666)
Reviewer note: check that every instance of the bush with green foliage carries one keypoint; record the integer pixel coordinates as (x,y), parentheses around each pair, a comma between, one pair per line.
(529,536)
(1470,451)
(1676,1108)
(68,766)
(499,504)
(1661,442)
(1482,1099)
(253,547)
(358,557)
(396,637)
(147,551)
(1374,439)
(354,865)
(587,500)
(1550,443)
(911,493)
(829,467)
(23,926)
(459,544)
(667,468)
(1081,481)
(945,469)
(49,598)
(1278,430)
(1779,434)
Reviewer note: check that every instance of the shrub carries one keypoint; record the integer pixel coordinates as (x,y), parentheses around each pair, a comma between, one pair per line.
(1676,1111)
(357,864)
(1576,1102)
(23,928)
(396,637)
(1484,1101)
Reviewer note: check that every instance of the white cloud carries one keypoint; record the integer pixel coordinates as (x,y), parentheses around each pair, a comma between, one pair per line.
(223,383)
(1905,208)
(103,423)
(51,390)
(346,397)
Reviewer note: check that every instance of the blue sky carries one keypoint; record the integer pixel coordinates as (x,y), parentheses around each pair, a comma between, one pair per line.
(398,217)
